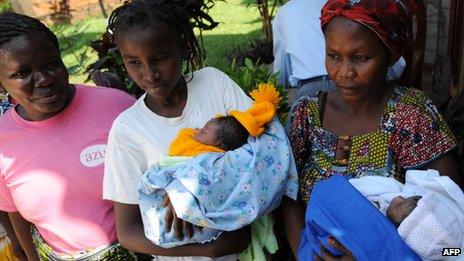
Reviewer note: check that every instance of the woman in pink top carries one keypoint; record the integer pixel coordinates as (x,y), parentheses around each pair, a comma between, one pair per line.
(52,148)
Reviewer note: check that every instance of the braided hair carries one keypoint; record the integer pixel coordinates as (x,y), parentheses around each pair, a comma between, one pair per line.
(13,25)
(140,14)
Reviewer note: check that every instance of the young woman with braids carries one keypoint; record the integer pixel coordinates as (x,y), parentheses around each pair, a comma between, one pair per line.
(156,40)
(52,145)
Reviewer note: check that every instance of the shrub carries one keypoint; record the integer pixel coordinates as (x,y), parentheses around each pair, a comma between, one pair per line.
(251,74)
(258,51)
(5,6)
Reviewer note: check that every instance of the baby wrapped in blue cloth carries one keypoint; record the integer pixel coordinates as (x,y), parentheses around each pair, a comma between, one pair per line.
(428,211)
(224,190)
(349,217)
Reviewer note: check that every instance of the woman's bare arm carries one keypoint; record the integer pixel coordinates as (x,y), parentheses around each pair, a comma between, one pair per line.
(131,236)
(17,249)
(293,214)
(447,167)
(22,228)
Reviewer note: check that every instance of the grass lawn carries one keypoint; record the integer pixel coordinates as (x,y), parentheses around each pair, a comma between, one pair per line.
(238,25)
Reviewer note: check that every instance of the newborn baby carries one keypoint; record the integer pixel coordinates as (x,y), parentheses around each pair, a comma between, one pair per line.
(224,132)
(219,134)
(428,209)
(250,169)
(400,208)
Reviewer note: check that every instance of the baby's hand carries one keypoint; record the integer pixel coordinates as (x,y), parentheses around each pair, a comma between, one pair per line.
(172,220)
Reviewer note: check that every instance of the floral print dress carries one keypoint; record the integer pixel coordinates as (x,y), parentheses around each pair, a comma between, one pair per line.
(411,134)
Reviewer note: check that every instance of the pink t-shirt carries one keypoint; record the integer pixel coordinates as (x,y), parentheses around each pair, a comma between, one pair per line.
(51,171)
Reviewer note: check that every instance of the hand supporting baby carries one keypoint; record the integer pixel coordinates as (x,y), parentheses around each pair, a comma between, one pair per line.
(172,221)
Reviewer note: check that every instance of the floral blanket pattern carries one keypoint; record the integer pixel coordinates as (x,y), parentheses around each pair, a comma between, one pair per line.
(220,191)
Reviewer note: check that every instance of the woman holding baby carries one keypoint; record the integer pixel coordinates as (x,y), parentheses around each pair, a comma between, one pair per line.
(368,125)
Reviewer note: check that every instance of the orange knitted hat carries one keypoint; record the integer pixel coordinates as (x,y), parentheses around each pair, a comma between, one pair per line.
(266,98)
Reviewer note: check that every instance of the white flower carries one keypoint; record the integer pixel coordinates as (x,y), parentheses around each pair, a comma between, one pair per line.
(246,188)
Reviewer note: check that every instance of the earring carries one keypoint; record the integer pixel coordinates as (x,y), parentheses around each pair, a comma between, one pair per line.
(4,97)
(4,102)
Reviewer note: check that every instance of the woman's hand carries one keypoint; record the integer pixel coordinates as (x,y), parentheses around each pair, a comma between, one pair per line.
(172,221)
(327,256)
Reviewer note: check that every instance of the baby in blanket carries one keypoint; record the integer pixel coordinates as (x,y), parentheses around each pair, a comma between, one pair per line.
(244,180)
(428,209)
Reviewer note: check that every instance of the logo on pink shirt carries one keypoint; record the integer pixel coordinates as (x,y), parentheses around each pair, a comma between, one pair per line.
(93,156)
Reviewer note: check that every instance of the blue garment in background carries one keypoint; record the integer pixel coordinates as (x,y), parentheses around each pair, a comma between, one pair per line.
(336,208)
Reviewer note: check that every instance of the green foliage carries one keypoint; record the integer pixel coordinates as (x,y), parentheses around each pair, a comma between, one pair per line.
(249,76)
(238,25)
(68,41)
(5,6)
(258,51)
(74,42)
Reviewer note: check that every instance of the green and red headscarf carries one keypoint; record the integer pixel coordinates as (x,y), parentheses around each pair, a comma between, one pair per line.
(390,20)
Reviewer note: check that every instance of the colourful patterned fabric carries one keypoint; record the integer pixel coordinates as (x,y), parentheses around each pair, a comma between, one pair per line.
(411,134)
(113,252)
(6,249)
(391,20)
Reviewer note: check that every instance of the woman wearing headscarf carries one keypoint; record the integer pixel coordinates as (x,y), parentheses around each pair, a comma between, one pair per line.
(368,125)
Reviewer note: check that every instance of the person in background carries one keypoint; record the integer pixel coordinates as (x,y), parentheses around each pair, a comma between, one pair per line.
(52,149)
(299,48)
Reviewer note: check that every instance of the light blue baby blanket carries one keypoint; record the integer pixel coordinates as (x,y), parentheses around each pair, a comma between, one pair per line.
(220,191)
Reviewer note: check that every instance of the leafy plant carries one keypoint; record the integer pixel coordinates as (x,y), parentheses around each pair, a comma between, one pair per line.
(251,74)
(259,51)
(68,37)
(5,6)
(110,61)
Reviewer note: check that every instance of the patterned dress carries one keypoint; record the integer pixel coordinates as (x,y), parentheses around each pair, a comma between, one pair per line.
(411,134)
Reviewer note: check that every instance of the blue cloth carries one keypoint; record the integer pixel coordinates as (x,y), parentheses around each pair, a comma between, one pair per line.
(220,191)
(336,208)
(5,105)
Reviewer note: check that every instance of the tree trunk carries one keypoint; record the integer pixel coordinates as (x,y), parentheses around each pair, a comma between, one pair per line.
(263,8)
(102,7)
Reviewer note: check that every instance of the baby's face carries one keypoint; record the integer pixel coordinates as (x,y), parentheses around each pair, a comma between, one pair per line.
(207,134)
(400,208)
